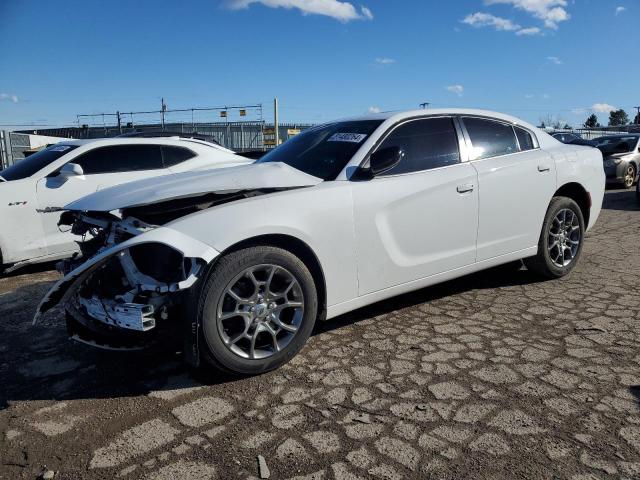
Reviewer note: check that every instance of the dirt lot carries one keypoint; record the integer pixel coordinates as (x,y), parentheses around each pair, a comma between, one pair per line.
(496,375)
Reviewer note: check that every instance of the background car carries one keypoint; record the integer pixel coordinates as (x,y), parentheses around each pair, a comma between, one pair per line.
(621,156)
(33,190)
(572,138)
(242,261)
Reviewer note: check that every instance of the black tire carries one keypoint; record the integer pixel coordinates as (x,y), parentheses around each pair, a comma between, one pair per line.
(542,263)
(630,176)
(638,192)
(211,344)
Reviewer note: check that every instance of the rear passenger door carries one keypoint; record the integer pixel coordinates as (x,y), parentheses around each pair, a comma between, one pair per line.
(516,180)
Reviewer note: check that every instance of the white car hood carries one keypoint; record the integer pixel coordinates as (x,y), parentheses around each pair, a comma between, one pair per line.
(182,185)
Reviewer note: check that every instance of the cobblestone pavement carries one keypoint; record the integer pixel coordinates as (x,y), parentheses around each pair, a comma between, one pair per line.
(496,375)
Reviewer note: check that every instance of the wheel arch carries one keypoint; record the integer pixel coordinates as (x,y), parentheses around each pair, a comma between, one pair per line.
(299,248)
(578,194)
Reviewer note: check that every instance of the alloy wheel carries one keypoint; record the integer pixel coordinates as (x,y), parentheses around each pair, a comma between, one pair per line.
(260,311)
(564,238)
(629,176)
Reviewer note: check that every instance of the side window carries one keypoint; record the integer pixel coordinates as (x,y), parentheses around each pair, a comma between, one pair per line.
(490,138)
(175,155)
(120,158)
(427,144)
(524,139)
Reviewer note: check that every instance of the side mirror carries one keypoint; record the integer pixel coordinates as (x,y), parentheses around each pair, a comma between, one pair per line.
(71,170)
(385,159)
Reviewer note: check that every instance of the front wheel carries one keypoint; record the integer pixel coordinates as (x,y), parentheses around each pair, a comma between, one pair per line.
(257,310)
(561,239)
(629,176)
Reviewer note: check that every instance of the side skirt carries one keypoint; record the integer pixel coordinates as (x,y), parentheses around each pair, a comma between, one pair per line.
(340,308)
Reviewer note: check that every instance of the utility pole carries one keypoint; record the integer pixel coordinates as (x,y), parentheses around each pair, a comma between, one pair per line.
(119,123)
(637,119)
(425,105)
(162,110)
(276,129)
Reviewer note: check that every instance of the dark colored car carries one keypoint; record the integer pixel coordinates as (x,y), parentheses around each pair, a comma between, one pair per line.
(621,154)
(573,139)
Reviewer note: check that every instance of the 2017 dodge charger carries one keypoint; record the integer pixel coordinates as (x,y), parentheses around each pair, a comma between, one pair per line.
(244,260)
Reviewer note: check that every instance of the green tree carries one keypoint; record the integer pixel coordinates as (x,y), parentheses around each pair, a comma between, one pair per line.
(618,118)
(592,121)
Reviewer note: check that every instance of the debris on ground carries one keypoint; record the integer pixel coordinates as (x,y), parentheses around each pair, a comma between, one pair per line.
(263,468)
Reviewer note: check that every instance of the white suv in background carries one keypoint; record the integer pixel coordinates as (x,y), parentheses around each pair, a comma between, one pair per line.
(34,189)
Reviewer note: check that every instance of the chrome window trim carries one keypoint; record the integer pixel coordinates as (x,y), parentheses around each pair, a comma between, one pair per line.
(417,172)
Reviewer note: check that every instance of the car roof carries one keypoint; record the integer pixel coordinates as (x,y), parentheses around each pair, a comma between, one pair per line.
(402,115)
(177,141)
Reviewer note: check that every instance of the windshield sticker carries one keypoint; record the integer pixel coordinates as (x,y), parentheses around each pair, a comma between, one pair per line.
(60,148)
(347,137)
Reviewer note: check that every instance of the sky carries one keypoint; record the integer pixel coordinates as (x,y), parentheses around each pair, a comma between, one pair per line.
(323,59)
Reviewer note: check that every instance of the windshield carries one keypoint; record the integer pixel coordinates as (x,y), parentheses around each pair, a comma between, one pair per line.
(36,162)
(619,143)
(325,150)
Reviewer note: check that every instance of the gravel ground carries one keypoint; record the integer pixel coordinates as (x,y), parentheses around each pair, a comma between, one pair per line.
(495,375)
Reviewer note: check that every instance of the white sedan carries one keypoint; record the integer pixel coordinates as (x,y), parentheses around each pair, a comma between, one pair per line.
(33,190)
(244,260)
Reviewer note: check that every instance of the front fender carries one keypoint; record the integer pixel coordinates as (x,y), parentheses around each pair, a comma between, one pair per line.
(186,245)
(320,216)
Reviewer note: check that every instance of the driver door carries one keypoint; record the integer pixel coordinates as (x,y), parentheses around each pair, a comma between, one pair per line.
(420,218)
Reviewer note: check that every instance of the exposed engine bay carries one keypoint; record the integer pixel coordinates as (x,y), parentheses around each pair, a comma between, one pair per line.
(121,302)
(135,276)
(132,291)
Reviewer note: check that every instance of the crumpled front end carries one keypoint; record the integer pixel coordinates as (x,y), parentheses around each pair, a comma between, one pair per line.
(129,281)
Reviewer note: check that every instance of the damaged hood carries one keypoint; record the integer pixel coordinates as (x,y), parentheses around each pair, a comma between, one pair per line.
(183,185)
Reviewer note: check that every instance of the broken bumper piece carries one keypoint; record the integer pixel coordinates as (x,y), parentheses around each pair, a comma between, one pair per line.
(89,331)
(131,318)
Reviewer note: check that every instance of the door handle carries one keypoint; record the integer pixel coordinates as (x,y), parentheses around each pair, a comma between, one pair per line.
(465,188)
(543,168)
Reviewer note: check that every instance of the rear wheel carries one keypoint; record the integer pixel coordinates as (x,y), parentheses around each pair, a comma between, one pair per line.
(629,176)
(257,310)
(561,239)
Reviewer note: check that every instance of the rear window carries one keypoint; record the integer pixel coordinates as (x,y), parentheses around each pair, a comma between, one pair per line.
(174,155)
(618,143)
(36,162)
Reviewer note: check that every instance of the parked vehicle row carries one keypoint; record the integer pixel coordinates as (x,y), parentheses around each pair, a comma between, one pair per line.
(573,138)
(34,190)
(621,158)
(621,154)
(243,260)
